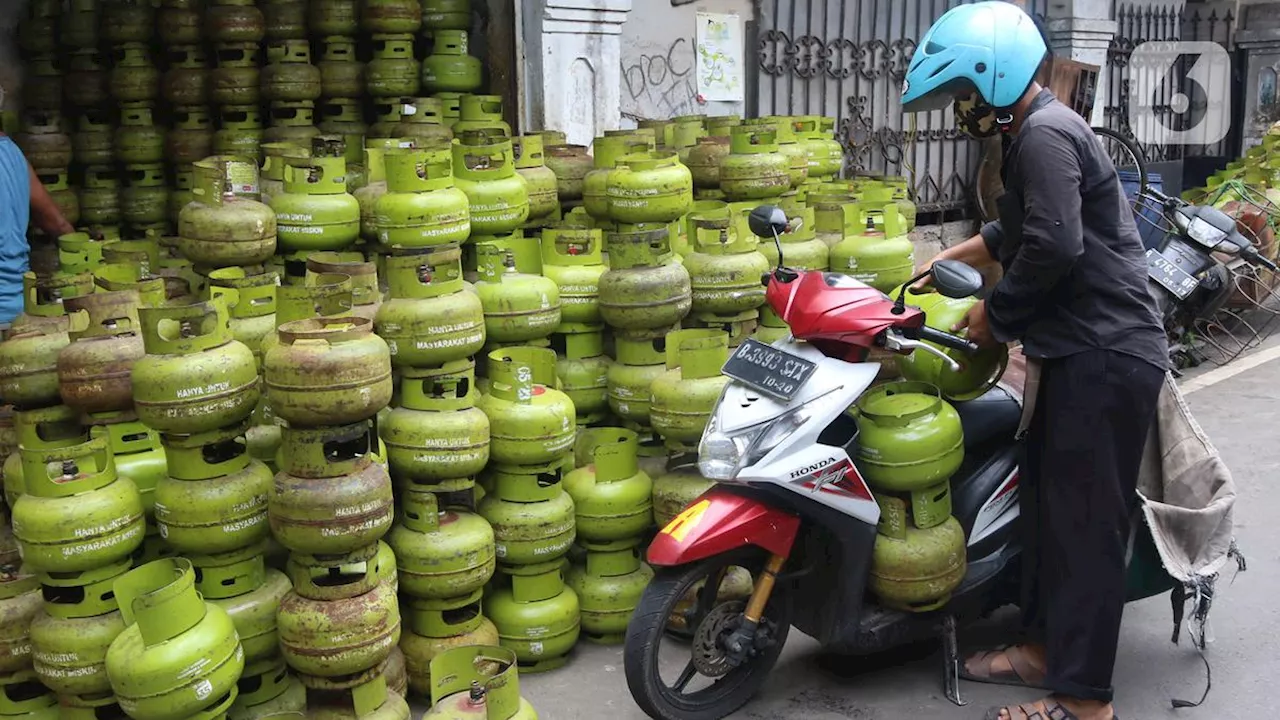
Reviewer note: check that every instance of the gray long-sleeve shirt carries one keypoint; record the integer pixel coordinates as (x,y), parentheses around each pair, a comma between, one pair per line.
(1074,268)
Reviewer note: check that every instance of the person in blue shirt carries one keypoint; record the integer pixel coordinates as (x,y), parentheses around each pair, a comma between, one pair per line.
(23,200)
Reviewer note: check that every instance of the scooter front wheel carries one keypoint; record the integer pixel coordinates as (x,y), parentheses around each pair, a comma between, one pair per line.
(710,681)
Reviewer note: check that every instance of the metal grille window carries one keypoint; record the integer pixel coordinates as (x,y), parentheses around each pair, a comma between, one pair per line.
(847,59)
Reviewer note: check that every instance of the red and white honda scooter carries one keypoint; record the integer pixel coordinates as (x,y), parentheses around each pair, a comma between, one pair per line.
(791,507)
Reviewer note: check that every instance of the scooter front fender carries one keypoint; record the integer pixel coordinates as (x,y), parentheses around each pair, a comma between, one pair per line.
(720,521)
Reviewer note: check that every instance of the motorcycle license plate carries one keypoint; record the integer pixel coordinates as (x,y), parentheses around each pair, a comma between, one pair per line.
(1170,276)
(776,373)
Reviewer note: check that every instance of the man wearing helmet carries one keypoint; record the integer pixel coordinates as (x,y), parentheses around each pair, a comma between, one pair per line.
(1074,292)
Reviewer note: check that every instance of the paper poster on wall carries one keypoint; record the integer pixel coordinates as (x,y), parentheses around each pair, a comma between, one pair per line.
(719,40)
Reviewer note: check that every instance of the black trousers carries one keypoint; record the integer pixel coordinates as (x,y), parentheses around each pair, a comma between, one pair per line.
(1084,449)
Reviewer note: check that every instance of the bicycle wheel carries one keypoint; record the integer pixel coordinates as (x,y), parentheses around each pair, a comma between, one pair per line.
(1129,162)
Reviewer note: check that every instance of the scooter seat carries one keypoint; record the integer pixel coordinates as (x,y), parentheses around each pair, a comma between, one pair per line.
(993,415)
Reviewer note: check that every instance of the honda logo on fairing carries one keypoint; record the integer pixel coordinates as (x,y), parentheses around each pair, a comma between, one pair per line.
(810,469)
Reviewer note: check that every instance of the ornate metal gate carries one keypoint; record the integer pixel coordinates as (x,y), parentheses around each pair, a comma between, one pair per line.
(847,59)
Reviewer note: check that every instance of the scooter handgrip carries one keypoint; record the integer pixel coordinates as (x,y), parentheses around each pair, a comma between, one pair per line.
(947,340)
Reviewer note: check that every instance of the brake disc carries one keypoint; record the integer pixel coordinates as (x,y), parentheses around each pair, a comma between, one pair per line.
(709,657)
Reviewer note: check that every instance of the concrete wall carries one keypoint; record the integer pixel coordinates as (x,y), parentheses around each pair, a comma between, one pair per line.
(658,79)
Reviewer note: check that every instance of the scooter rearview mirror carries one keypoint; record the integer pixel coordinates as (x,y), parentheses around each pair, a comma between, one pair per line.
(769,221)
(955,279)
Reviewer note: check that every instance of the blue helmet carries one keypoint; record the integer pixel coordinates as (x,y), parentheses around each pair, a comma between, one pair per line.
(993,47)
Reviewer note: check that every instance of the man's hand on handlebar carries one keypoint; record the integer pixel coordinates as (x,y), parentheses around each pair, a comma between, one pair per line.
(977,325)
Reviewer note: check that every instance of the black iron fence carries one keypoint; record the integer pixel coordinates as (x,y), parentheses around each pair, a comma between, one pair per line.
(847,59)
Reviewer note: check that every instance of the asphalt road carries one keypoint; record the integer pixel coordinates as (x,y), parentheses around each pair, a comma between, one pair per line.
(1241,413)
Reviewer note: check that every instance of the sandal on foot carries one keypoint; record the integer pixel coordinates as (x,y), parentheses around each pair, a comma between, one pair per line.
(1023,674)
(1053,711)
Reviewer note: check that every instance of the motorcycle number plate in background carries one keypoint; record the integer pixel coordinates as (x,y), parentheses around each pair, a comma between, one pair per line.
(776,373)
(1170,276)
(686,521)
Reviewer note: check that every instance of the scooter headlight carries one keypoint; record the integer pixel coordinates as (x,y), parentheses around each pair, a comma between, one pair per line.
(722,455)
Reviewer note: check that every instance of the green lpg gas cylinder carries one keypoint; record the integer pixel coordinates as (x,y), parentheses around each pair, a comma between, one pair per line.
(789,146)
(612,496)
(221,227)
(67,201)
(42,297)
(138,141)
(234,81)
(48,428)
(540,181)
(123,276)
(517,306)
(883,259)
(275,156)
(570,163)
(389,112)
(139,457)
(523,247)
(79,481)
(214,498)
(430,318)
(441,553)
(171,629)
(79,252)
(239,132)
(644,288)
(484,168)
(93,142)
(375,182)
(316,212)
(341,73)
(134,77)
(772,328)
(446,15)
(79,24)
(721,125)
(537,616)
(754,169)
(422,207)
(292,121)
(393,70)
(978,372)
(327,371)
(94,370)
(144,198)
(437,439)
(582,369)
(483,113)
(334,17)
(452,106)
(29,365)
(826,155)
(609,586)
(289,74)
(251,301)
(834,213)
(910,437)
(917,574)
(450,67)
(73,629)
(474,683)
(330,496)
(685,395)
(530,421)
(901,194)
(572,258)
(677,488)
(22,696)
(724,266)
(607,150)
(422,120)
(531,515)
(195,377)
(249,592)
(372,699)
(190,139)
(339,620)
(630,378)
(366,294)
(432,627)
(801,248)
(19,603)
(100,197)
(344,117)
(268,691)
(234,21)
(185,83)
(43,141)
(649,188)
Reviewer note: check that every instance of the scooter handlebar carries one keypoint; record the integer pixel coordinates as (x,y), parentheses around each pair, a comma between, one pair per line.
(947,340)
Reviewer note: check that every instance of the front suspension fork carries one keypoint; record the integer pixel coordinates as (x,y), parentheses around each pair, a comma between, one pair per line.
(742,640)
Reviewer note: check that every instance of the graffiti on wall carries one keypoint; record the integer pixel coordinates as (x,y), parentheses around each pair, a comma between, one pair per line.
(659,82)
